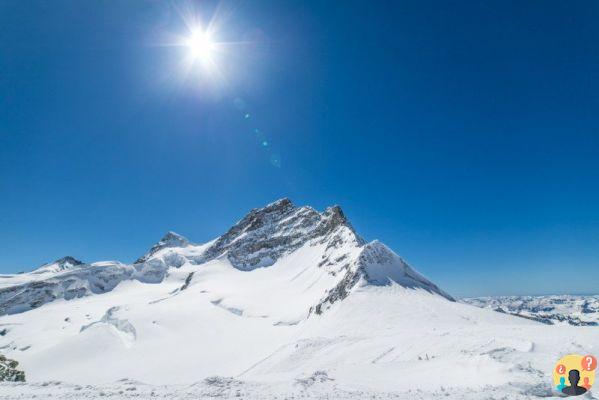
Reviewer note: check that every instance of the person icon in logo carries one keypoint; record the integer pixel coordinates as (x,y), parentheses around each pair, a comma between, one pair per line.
(574,389)
(562,384)
(586,384)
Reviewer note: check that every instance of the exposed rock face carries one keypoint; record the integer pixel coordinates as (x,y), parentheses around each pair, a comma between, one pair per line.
(266,234)
(339,292)
(89,279)
(67,285)
(9,371)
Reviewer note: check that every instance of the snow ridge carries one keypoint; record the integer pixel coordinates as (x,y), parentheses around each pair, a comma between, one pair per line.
(62,264)
(171,239)
(379,266)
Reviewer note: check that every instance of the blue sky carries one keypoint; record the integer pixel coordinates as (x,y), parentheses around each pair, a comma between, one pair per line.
(465,135)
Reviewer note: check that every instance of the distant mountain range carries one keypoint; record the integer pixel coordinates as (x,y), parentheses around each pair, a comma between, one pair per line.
(556,309)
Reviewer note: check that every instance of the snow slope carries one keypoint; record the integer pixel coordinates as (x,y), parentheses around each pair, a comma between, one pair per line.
(289,300)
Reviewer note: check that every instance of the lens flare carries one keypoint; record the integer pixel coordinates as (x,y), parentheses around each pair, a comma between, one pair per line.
(200,45)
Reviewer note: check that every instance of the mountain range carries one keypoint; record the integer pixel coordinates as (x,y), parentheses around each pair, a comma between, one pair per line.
(289,299)
(550,309)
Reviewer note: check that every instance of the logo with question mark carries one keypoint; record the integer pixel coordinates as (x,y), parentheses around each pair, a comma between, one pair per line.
(589,363)
(574,374)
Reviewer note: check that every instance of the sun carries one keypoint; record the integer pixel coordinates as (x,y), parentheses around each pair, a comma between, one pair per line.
(200,45)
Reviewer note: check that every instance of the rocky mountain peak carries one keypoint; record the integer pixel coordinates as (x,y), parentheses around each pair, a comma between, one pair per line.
(267,233)
(67,261)
(279,205)
(173,239)
(335,217)
(61,264)
(170,239)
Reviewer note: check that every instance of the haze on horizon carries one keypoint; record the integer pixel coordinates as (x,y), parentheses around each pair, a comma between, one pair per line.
(464,136)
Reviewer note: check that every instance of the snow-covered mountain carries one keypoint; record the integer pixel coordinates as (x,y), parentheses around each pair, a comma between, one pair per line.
(62,264)
(259,240)
(287,300)
(556,309)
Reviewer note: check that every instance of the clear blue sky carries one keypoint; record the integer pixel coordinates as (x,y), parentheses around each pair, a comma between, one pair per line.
(465,135)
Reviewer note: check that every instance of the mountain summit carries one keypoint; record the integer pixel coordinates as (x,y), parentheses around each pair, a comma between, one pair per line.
(62,264)
(170,239)
(265,234)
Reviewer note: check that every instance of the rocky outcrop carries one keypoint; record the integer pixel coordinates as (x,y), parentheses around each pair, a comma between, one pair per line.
(89,279)
(339,292)
(266,234)
(67,285)
(9,371)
